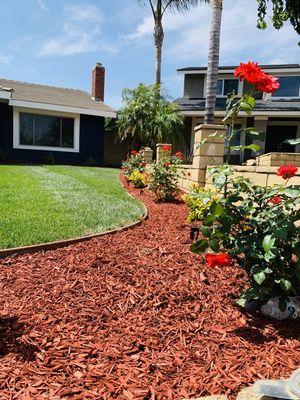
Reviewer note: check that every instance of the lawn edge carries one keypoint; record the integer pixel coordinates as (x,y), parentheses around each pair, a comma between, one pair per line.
(14,251)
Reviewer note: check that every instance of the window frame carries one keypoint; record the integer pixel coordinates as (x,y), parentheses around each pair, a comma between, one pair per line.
(240,87)
(16,130)
(286,97)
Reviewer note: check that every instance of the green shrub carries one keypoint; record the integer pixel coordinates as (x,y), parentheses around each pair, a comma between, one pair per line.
(164,179)
(134,162)
(256,227)
(138,179)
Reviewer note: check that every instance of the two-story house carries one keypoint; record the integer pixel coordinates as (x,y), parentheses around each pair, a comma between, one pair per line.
(277,115)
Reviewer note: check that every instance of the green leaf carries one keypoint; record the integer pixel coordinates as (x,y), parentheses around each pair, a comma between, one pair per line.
(214,245)
(241,302)
(285,284)
(251,101)
(268,243)
(199,247)
(292,191)
(253,147)
(260,277)
(269,256)
(206,231)
(292,142)
(217,210)
(252,132)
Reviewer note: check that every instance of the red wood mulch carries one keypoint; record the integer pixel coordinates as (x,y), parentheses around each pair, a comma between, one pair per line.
(132,316)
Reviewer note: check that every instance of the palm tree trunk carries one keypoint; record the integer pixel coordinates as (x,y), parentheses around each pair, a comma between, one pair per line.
(213,60)
(158,40)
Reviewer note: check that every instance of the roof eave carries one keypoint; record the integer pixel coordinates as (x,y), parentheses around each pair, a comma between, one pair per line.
(66,109)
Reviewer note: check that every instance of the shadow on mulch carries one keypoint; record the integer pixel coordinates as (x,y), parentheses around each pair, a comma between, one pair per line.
(11,331)
(264,330)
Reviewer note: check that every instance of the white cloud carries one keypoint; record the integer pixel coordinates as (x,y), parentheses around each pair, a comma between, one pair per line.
(5,58)
(80,33)
(187,34)
(42,5)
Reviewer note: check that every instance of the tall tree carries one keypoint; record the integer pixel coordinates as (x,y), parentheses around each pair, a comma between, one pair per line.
(282,10)
(213,60)
(158,9)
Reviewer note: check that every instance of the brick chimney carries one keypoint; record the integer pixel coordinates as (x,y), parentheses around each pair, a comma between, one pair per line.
(98,82)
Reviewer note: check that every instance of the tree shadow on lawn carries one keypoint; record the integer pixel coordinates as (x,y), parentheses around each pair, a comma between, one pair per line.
(11,331)
(262,330)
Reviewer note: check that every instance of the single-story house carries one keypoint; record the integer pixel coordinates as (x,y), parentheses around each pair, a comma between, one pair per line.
(40,123)
(277,115)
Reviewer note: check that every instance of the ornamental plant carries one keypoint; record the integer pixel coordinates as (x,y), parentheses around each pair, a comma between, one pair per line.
(164,178)
(138,179)
(251,226)
(134,162)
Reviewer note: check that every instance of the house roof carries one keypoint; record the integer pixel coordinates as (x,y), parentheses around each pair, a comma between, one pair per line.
(54,98)
(268,106)
(232,67)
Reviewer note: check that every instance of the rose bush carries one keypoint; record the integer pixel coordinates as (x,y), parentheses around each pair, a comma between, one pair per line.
(135,162)
(164,178)
(252,226)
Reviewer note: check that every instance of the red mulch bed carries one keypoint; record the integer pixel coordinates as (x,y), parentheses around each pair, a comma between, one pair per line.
(132,316)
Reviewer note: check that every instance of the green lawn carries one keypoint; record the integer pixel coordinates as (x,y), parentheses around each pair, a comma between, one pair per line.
(45,203)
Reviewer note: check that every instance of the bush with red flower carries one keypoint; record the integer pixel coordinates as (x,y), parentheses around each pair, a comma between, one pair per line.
(134,163)
(255,227)
(164,178)
(287,171)
(254,75)
(259,81)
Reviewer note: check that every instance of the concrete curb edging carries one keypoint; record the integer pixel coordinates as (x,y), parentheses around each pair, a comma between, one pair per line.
(64,243)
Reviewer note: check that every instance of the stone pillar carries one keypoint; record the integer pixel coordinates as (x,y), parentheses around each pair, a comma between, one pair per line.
(163,151)
(209,153)
(147,155)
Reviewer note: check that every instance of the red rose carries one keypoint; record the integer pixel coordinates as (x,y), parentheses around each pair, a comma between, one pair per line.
(179,155)
(253,74)
(287,171)
(188,174)
(250,72)
(268,84)
(167,164)
(166,147)
(144,164)
(214,260)
(275,200)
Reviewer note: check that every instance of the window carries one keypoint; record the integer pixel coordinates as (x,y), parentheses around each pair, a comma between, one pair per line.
(227,86)
(289,87)
(41,131)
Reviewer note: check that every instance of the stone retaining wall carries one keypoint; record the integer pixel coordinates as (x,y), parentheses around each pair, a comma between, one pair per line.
(261,176)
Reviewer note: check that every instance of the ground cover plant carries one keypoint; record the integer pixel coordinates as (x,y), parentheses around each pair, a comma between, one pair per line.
(134,315)
(46,203)
(250,225)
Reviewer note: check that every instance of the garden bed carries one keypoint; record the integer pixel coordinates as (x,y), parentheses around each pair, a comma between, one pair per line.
(133,316)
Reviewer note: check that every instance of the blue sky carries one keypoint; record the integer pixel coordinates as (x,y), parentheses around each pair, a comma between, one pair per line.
(57,42)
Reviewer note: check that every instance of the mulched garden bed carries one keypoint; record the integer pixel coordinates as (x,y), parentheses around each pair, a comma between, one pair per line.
(133,316)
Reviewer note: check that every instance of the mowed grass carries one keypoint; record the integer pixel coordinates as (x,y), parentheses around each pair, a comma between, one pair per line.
(41,204)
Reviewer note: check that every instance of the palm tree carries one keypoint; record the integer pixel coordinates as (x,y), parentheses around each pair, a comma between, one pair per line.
(213,60)
(158,8)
